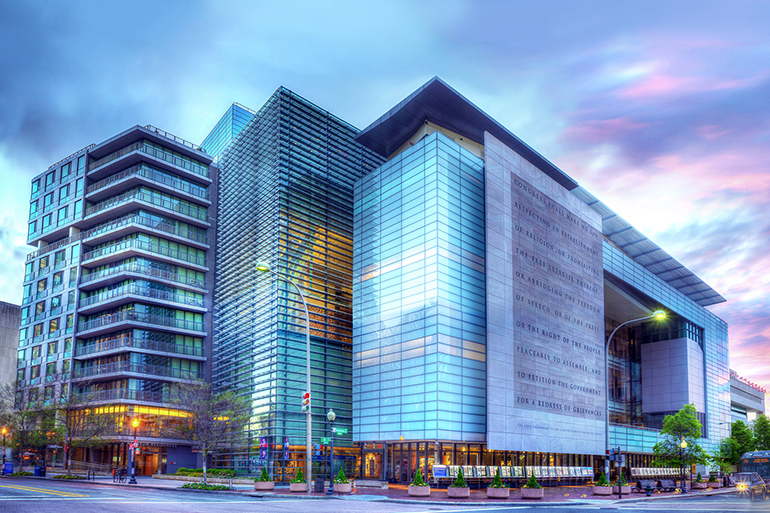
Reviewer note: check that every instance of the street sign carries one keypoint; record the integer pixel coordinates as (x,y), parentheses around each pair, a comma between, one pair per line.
(326,440)
(340,431)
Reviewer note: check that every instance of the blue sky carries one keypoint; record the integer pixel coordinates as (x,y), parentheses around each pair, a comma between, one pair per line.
(660,109)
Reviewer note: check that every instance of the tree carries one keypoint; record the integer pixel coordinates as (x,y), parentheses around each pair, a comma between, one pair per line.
(213,418)
(722,459)
(743,437)
(684,425)
(25,419)
(762,433)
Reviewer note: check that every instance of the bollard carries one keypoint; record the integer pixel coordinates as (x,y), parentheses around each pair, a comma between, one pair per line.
(354,486)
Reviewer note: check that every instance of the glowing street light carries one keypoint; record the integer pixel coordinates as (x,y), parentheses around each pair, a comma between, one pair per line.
(658,315)
(683,446)
(265,268)
(134,446)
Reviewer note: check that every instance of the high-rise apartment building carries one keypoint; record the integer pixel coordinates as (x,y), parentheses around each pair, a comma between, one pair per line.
(117,297)
(285,198)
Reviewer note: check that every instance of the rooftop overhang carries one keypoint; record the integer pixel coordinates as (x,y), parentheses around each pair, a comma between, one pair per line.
(438,103)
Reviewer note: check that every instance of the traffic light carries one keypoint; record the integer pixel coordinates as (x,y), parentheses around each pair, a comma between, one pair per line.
(306,402)
(316,450)
(611,455)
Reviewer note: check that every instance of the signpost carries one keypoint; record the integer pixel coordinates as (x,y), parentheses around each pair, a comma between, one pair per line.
(340,431)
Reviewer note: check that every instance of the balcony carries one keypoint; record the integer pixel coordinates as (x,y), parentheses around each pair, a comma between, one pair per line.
(123,225)
(118,394)
(119,345)
(123,203)
(112,322)
(132,292)
(120,272)
(125,248)
(109,370)
(137,152)
(139,174)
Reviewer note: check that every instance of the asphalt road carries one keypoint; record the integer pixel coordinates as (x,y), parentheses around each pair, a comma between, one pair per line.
(39,496)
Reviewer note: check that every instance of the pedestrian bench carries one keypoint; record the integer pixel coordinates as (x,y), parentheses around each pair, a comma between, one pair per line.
(641,486)
(667,485)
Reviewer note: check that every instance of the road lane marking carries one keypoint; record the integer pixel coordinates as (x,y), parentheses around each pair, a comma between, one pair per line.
(43,490)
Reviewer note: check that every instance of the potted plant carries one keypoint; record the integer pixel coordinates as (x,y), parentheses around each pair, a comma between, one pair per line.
(419,488)
(713,482)
(699,483)
(498,490)
(341,483)
(622,486)
(263,482)
(458,489)
(532,490)
(298,483)
(602,487)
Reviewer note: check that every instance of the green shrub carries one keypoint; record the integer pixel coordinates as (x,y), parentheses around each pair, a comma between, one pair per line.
(21,474)
(263,477)
(532,483)
(460,479)
(621,480)
(340,479)
(418,480)
(712,478)
(699,479)
(602,480)
(299,478)
(498,481)
(67,476)
(201,486)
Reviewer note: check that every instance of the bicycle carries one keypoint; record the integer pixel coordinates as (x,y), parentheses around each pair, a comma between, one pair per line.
(119,475)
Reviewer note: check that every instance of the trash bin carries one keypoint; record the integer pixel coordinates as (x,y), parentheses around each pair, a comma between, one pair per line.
(37,471)
(318,484)
(42,471)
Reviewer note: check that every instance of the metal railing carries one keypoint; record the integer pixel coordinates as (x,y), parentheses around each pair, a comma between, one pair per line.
(152,175)
(136,267)
(173,137)
(116,394)
(131,315)
(143,291)
(138,343)
(51,247)
(146,246)
(131,194)
(141,220)
(138,368)
(154,152)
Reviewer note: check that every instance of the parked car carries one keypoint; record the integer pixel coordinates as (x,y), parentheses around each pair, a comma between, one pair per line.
(751,484)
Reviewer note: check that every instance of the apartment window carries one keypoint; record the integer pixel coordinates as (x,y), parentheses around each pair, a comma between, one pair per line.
(46,221)
(58,258)
(28,268)
(50,178)
(41,285)
(27,290)
(32,228)
(79,185)
(53,325)
(65,366)
(71,297)
(70,322)
(51,348)
(24,313)
(67,345)
(40,308)
(47,200)
(38,330)
(21,355)
(33,207)
(62,216)
(35,392)
(35,186)
(78,208)
(48,394)
(75,253)
(63,193)
(36,351)
(65,170)
(55,302)
(23,335)
(81,164)
(43,263)
(50,369)
(20,375)
(58,278)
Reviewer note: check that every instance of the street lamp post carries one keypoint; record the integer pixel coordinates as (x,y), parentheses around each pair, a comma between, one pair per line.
(5,432)
(683,446)
(264,267)
(658,315)
(331,416)
(132,453)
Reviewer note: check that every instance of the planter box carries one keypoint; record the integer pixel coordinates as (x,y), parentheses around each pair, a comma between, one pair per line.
(602,490)
(700,486)
(343,487)
(498,493)
(715,484)
(419,491)
(625,490)
(297,487)
(532,493)
(264,485)
(458,493)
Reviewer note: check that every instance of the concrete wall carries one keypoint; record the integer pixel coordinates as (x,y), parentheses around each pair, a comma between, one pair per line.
(10,318)
(672,376)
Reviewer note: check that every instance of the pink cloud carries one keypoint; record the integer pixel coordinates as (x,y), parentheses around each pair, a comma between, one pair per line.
(658,85)
(598,130)
(711,132)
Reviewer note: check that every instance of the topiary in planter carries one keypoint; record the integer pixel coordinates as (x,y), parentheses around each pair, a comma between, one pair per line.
(419,488)
(341,483)
(459,489)
(602,487)
(263,482)
(498,490)
(532,490)
(298,482)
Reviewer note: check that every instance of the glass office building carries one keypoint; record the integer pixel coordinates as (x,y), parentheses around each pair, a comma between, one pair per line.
(117,297)
(486,285)
(286,198)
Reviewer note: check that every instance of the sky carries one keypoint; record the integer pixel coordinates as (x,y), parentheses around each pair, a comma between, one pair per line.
(661,109)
